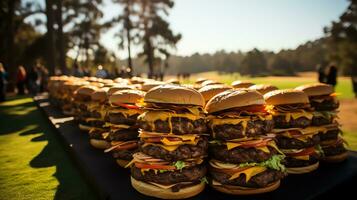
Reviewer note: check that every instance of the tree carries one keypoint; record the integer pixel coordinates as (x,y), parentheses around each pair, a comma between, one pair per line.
(342,39)
(60,37)
(125,34)
(51,57)
(254,63)
(155,34)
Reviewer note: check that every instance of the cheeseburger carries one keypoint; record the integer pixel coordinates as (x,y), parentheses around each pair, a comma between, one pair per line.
(325,104)
(245,160)
(263,88)
(210,91)
(292,116)
(173,144)
(97,109)
(122,121)
(82,97)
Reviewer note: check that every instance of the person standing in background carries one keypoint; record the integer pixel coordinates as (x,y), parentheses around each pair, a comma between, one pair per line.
(3,82)
(44,78)
(354,81)
(321,73)
(332,75)
(33,80)
(21,80)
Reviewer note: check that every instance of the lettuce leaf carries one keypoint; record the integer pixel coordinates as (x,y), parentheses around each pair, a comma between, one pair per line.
(273,163)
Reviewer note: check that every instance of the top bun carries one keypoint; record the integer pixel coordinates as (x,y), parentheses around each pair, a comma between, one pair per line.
(241,84)
(100,95)
(210,82)
(119,87)
(210,91)
(234,99)
(316,89)
(263,88)
(150,84)
(200,80)
(174,94)
(86,90)
(126,96)
(287,96)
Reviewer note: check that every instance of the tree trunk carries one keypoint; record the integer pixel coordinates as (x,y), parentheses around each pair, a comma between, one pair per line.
(9,64)
(150,57)
(51,61)
(130,65)
(60,38)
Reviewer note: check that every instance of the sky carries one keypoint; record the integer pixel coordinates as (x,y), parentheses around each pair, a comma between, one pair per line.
(211,25)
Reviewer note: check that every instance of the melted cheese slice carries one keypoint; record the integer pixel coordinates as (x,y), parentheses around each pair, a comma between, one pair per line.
(116,126)
(232,145)
(295,115)
(217,121)
(249,173)
(307,157)
(186,137)
(89,119)
(125,112)
(167,142)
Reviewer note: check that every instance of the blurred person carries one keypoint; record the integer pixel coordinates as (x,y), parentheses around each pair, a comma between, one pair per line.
(101,73)
(86,71)
(321,73)
(332,75)
(3,83)
(33,80)
(43,72)
(77,71)
(21,80)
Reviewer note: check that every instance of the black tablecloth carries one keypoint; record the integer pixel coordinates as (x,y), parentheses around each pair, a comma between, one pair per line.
(113,182)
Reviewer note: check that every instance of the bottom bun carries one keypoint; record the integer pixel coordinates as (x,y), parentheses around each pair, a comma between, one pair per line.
(122,163)
(238,190)
(84,127)
(336,158)
(302,170)
(99,144)
(154,191)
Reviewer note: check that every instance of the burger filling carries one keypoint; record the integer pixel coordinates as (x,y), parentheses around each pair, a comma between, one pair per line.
(181,152)
(324,102)
(323,117)
(300,157)
(170,118)
(335,147)
(122,135)
(253,174)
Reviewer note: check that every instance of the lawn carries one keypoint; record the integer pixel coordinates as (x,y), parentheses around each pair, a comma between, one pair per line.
(33,164)
(344,86)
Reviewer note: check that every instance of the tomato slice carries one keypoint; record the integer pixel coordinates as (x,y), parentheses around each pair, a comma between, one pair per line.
(128,106)
(305,152)
(148,166)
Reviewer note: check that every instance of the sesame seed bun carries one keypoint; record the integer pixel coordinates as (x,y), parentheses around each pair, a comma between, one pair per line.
(316,89)
(287,96)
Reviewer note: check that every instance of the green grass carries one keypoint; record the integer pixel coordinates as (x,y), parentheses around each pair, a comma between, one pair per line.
(33,164)
(344,86)
(351,139)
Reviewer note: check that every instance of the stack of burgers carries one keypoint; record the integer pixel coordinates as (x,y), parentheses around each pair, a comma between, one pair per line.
(97,109)
(82,97)
(122,121)
(244,157)
(325,104)
(296,137)
(173,144)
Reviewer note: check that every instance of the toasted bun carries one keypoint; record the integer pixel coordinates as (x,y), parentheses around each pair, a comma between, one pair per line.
(100,95)
(154,191)
(237,190)
(316,89)
(99,144)
(287,96)
(263,88)
(84,127)
(126,96)
(200,80)
(86,90)
(119,87)
(210,82)
(336,158)
(174,94)
(241,84)
(302,170)
(150,84)
(210,91)
(234,99)
(122,163)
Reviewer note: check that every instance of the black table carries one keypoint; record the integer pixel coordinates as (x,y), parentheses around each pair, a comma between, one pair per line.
(113,182)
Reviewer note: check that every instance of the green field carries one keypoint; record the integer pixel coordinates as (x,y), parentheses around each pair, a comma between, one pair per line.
(344,86)
(33,164)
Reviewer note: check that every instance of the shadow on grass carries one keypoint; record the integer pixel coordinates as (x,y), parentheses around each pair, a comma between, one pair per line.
(71,185)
